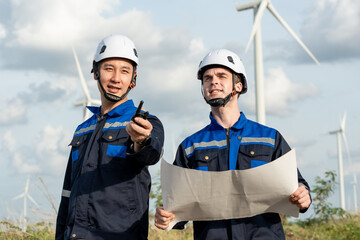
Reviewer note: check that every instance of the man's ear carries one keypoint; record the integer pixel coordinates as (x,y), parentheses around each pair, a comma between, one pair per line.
(96,75)
(238,86)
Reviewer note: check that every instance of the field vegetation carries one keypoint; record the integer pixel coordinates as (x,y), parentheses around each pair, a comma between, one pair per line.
(326,222)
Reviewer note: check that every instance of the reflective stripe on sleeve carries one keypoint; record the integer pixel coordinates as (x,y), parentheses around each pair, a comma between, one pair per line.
(65,193)
(84,130)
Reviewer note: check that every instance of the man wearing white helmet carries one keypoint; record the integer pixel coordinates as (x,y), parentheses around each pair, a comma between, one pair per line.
(231,142)
(106,188)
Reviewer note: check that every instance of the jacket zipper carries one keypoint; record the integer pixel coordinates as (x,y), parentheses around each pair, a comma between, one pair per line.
(228,144)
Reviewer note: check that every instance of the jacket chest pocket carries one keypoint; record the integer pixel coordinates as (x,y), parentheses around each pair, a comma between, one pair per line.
(205,161)
(78,147)
(254,155)
(114,148)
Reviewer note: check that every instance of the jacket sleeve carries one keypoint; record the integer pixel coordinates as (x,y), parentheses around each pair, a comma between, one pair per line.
(281,148)
(181,159)
(64,203)
(151,153)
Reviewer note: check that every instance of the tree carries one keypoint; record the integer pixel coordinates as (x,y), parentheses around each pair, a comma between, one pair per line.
(323,209)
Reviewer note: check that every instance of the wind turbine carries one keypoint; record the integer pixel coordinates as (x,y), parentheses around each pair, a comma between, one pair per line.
(354,182)
(341,133)
(26,195)
(88,101)
(259,8)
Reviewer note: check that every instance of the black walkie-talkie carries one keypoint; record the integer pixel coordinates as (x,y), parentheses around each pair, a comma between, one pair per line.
(138,113)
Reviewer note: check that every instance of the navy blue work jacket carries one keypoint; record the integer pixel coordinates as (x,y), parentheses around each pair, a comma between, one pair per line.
(245,145)
(106,187)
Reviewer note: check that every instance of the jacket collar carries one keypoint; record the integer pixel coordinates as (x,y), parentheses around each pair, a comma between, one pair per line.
(122,109)
(238,125)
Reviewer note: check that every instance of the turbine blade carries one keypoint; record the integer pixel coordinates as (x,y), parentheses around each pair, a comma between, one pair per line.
(27,185)
(245,6)
(31,199)
(342,123)
(346,146)
(85,113)
(80,103)
(292,33)
(82,79)
(95,102)
(19,196)
(257,22)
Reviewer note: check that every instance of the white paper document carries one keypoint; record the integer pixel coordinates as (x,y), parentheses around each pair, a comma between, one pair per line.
(208,195)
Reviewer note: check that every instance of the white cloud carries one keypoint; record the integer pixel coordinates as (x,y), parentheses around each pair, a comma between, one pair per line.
(3,32)
(14,112)
(176,79)
(52,150)
(15,109)
(46,155)
(53,91)
(18,162)
(197,47)
(58,25)
(332,29)
(41,25)
(281,93)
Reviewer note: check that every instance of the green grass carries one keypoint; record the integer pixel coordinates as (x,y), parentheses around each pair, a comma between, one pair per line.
(38,231)
(347,228)
(342,229)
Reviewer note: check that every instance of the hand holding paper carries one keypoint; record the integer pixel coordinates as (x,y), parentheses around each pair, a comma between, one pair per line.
(199,195)
(301,197)
(163,218)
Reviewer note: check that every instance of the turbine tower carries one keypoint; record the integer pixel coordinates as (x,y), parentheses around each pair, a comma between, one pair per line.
(259,8)
(88,101)
(26,195)
(341,134)
(354,182)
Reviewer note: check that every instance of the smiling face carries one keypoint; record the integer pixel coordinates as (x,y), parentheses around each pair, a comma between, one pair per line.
(115,77)
(218,83)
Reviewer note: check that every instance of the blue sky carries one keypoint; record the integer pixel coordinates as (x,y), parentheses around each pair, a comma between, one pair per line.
(40,83)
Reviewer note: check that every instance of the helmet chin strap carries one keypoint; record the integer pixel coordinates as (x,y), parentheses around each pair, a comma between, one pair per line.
(112,97)
(217,102)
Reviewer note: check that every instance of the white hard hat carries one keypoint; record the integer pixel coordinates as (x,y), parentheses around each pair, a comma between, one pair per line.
(118,46)
(225,58)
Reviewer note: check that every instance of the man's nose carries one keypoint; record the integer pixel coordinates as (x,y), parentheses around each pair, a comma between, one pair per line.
(214,80)
(116,77)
